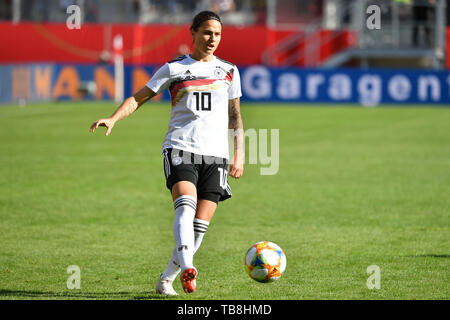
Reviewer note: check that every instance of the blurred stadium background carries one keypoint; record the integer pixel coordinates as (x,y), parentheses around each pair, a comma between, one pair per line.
(342,59)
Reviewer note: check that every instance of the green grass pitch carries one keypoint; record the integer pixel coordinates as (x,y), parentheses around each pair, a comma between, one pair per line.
(355,187)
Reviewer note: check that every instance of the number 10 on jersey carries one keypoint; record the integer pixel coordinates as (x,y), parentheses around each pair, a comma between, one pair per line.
(202,101)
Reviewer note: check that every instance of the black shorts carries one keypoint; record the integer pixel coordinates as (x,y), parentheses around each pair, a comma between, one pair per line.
(209,174)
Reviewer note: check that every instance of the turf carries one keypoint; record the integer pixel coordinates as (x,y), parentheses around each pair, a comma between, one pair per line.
(355,187)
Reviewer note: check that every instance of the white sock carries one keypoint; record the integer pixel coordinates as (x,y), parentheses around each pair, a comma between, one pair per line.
(185,208)
(200,227)
(173,267)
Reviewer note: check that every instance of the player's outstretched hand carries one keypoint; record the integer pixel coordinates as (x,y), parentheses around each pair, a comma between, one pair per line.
(107,122)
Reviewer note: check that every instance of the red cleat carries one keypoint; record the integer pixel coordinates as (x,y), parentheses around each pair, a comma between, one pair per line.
(188,280)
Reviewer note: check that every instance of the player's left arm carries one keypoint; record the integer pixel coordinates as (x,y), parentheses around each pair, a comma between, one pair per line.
(235,123)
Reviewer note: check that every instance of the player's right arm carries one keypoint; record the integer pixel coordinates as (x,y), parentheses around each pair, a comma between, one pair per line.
(127,107)
(157,84)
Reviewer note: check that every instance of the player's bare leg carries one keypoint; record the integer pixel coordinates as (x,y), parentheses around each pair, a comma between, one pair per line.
(205,209)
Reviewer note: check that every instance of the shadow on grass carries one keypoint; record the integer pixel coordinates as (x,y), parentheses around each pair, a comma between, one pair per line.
(24,294)
(431,256)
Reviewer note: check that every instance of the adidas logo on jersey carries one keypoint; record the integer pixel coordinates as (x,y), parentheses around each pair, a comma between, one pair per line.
(187,75)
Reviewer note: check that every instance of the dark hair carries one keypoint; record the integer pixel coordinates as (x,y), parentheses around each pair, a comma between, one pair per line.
(202,17)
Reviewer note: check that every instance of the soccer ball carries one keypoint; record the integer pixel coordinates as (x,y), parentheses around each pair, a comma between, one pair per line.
(265,261)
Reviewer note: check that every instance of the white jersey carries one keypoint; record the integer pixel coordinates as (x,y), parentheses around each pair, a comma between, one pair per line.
(199,93)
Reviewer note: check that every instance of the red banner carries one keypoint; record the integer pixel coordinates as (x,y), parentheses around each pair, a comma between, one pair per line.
(447,49)
(148,44)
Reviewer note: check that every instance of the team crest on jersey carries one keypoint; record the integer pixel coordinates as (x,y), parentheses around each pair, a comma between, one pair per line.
(219,73)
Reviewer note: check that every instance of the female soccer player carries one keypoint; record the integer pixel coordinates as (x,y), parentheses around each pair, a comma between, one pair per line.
(205,94)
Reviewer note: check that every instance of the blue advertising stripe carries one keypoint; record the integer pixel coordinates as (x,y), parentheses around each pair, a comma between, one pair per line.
(367,87)
(5,84)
